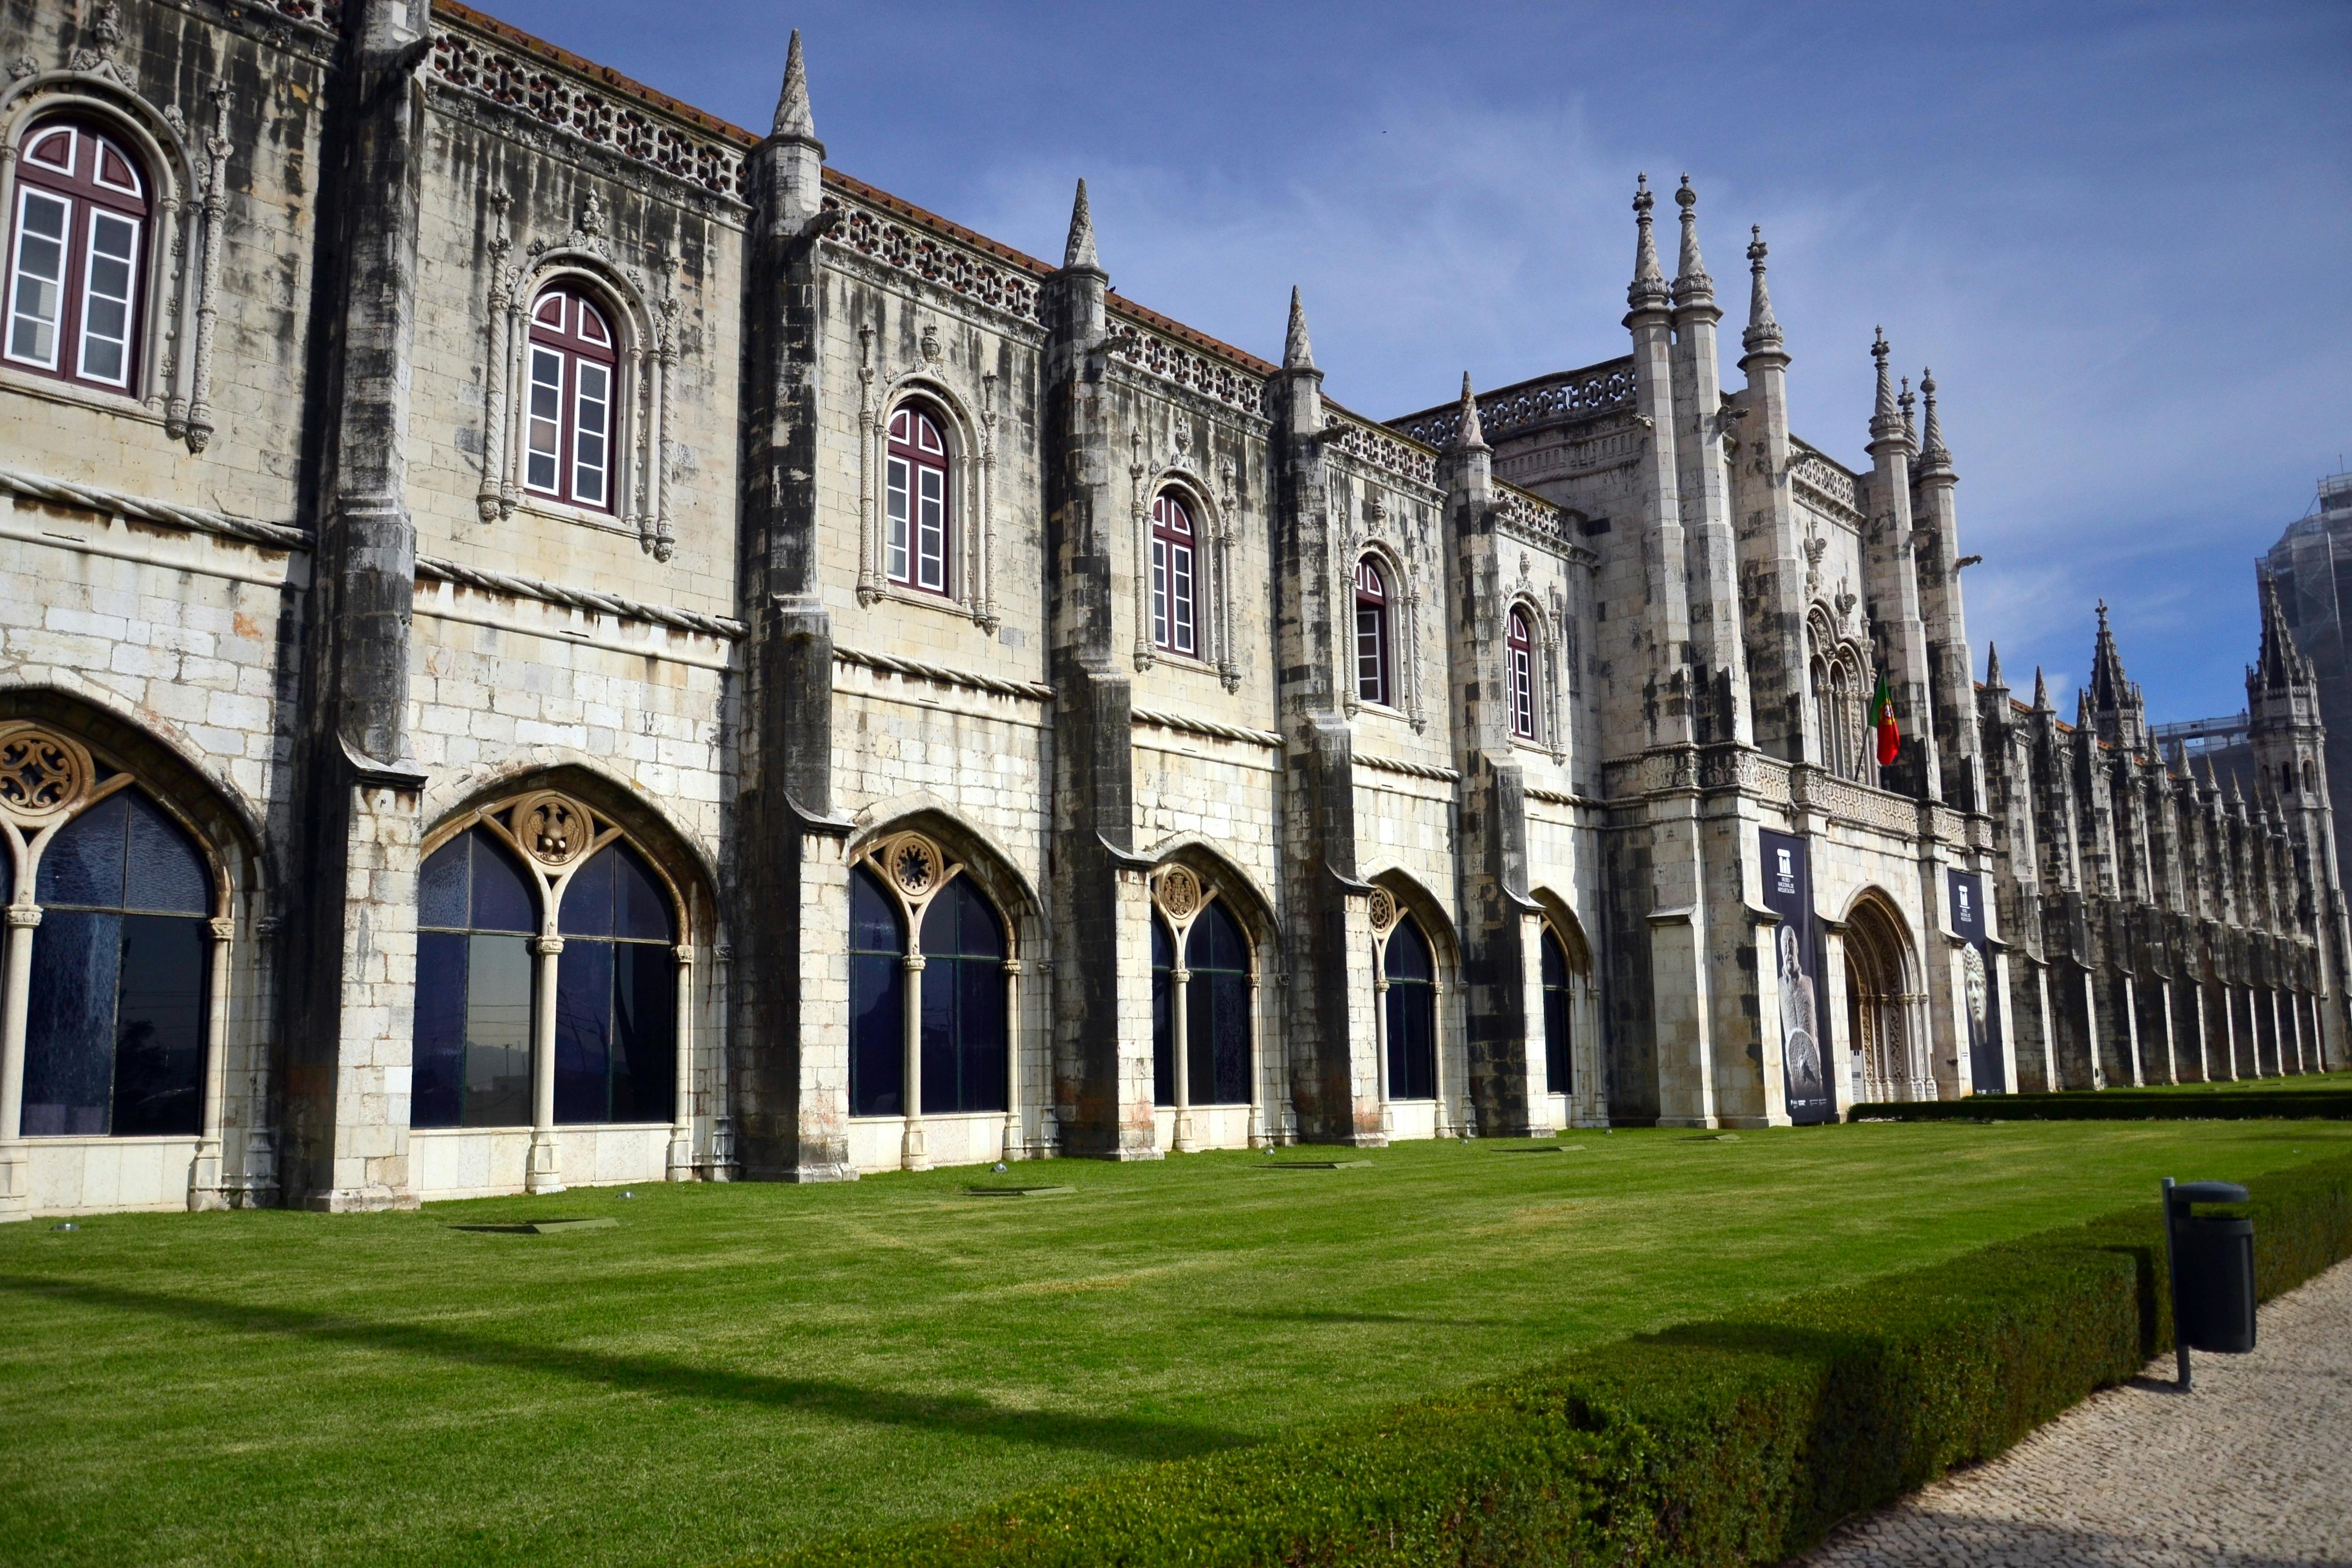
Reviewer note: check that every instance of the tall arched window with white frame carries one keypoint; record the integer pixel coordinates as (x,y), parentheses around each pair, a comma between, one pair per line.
(568,434)
(1375,663)
(1519,652)
(1175,576)
(77,254)
(915,490)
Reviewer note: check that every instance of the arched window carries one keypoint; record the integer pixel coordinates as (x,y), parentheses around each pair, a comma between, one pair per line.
(116,1009)
(1519,650)
(877,998)
(1216,1009)
(568,434)
(1373,661)
(964,1003)
(916,493)
(77,253)
(1173,576)
(617,993)
(1412,1012)
(1559,1076)
(475,913)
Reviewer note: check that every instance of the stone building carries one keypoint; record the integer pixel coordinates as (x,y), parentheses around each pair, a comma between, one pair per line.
(545,638)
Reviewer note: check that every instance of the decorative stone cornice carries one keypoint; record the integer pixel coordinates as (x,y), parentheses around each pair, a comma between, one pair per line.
(115,503)
(1184,724)
(1035,691)
(434,568)
(1568,396)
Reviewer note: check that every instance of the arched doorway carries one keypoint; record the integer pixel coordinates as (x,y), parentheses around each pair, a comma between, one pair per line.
(1881,999)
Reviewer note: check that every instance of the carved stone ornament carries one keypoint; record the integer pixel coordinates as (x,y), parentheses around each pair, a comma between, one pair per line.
(1384,911)
(553,829)
(1180,893)
(915,867)
(42,776)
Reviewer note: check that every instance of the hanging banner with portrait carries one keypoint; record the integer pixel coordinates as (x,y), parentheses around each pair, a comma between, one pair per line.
(1981,999)
(1797,962)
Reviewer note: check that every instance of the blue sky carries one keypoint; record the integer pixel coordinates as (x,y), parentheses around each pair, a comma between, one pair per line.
(2121,233)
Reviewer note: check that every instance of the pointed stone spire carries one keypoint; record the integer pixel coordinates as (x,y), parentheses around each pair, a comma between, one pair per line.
(1885,422)
(1763,331)
(1993,668)
(793,117)
(2122,716)
(2041,703)
(2107,683)
(1467,436)
(2085,720)
(2237,794)
(1080,250)
(1933,458)
(1906,403)
(1692,285)
(1298,353)
(1648,290)
(2278,663)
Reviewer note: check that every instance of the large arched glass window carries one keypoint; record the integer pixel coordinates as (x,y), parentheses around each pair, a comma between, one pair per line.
(1560,1077)
(1412,1012)
(877,998)
(964,1003)
(1519,652)
(1173,576)
(475,913)
(1216,1009)
(617,993)
(77,249)
(116,1016)
(915,498)
(1374,663)
(568,435)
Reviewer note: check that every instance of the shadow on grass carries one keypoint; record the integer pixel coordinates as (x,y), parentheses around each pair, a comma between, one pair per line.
(968,1416)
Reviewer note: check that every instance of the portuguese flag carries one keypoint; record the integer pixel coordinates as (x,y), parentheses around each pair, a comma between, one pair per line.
(1882,718)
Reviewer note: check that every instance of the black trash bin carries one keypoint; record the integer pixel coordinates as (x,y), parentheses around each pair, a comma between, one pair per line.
(2212,1267)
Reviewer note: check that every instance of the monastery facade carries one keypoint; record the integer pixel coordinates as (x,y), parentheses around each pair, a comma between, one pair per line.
(548,640)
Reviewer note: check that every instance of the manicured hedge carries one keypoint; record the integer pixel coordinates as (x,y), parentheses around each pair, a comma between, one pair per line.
(2123,1105)
(1734,1441)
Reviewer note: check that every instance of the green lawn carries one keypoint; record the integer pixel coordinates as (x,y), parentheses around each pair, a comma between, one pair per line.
(736,1369)
(2297,1083)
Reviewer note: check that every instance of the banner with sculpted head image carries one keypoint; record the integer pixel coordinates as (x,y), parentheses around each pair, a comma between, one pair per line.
(1982,1006)
(1796,946)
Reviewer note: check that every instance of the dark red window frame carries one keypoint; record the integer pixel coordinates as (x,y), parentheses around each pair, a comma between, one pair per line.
(578,344)
(1520,647)
(918,525)
(91,151)
(1374,661)
(1175,576)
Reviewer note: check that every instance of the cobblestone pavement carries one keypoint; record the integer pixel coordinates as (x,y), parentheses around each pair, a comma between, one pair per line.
(2253,1469)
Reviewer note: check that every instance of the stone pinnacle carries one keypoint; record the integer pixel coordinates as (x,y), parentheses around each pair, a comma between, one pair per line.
(1080,251)
(1298,353)
(793,117)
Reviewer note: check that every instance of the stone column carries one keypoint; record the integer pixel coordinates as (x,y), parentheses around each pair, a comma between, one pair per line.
(1380,1047)
(16,1191)
(1839,1048)
(1013,1149)
(680,1164)
(1180,988)
(914,1150)
(544,1174)
(1258,1138)
(207,1189)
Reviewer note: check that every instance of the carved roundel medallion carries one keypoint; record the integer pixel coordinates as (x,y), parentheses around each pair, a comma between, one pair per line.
(553,829)
(1384,911)
(914,865)
(1179,892)
(41,775)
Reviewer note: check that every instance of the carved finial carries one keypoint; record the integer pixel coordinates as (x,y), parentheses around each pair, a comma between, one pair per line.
(1692,285)
(1763,332)
(1080,250)
(1886,421)
(1298,353)
(1993,668)
(1468,437)
(793,116)
(1648,290)
(1906,403)
(1933,458)
(2041,703)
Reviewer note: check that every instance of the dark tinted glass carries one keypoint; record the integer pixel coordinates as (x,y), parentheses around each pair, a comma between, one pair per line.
(641,905)
(83,864)
(588,898)
(877,1034)
(1558,1072)
(69,1021)
(1217,1014)
(1216,942)
(1412,1039)
(503,899)
(441,899)
(437,1058)
(1555,962)
(584,1024)
(498,1030)
(1409,952)
(644,1032)
(158,1050)
(166,872)
(1163,1016)
(874,924)
(959,923)
(980,1034)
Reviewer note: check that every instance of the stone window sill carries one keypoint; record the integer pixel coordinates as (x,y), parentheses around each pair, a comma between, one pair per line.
(78,396)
